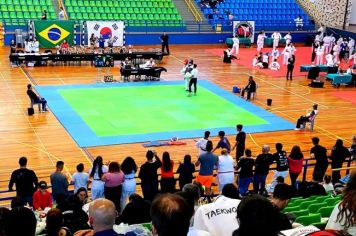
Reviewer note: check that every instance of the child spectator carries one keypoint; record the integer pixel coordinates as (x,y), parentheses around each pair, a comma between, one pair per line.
(185,171)
(79,178)
(42,198)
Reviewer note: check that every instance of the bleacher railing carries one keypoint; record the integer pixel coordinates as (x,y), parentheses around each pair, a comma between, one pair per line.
(194,11)
(307,164)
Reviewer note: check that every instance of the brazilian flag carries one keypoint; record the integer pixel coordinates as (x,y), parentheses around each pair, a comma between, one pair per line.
(51,33)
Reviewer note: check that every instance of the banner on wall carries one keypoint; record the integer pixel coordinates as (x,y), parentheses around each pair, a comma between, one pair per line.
(107,28)
(51,33)
(244,29)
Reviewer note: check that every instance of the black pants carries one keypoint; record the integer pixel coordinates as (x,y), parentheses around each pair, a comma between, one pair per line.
(193,81)
(149,189)
(114,195)
(168,185)
(313,56)
(301,120)
(248,93)
(165,46)
(290,72)
(319,172)
(239,152)
(293,180)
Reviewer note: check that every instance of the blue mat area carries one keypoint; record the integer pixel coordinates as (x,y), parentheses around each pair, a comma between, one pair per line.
(85,137)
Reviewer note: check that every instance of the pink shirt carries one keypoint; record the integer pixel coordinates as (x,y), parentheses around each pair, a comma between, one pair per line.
(113,179)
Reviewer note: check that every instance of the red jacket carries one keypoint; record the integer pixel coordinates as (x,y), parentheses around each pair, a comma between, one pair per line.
(42,201)
(295,166)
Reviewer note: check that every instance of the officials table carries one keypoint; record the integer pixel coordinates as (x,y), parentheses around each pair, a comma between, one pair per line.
(151,72)
(44,57)
(338,79)
(269,42)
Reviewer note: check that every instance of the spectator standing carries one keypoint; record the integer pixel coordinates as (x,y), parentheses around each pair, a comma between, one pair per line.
(129,168)
(168,182)
(240,142)
(223,142)
(80,179)
(339,153)
(225,169)
(148,175)
(96,173)
(201,143)
(245,175)
(25,180)
(185,171)
(321,165)
(262,163)
(207,162)
(295,162)
(113,180)
(280,157)
(42,198)
(343,215)
(59,181)
(290,67)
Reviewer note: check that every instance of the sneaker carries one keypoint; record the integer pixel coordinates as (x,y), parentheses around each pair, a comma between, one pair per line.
(296,129)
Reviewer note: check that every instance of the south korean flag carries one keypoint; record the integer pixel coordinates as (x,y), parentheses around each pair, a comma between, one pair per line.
(115,29)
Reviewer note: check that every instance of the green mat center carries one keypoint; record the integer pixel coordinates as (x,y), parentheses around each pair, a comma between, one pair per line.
(152,109)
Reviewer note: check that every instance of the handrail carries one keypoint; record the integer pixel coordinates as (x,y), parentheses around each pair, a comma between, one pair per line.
(60,4)
(193,10)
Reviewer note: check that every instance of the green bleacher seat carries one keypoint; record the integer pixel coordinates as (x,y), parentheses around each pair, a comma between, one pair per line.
(2,2)
(308,220)
(4,8)
(26,15)
(33,15)
(332,201)
(53,16)
(10,8)
(299,213)
(38,8)
(313,208)
(13,15)
(19,15)
(9,2)
(306,204)
(325,212)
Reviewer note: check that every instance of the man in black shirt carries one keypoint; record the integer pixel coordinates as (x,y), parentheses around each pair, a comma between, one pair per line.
(25,180)
(280,157)
(35,98)
(164,40)
(262,163)
(321,164)
(240,142)
(244,167)
(149,177)
(250,88)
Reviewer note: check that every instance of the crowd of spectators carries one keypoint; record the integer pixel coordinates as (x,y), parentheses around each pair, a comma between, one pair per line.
(190,210)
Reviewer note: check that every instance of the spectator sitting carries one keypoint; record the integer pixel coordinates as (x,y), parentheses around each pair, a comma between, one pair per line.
(257,216)
(20,221)
(42,198)
(194,191)
(230,191)
(82,195)
(54,221)
(328,186)
(4,212)
(170,215)
(206,217)
(137,211)
(186,171)
(80,179)
(276,181)
(343,215)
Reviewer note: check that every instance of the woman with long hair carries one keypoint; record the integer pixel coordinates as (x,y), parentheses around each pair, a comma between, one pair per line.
(96,173)
(129,168)
(185,171)
(167,177)
(295,163)
(343,216)
(113,184)
(338,155)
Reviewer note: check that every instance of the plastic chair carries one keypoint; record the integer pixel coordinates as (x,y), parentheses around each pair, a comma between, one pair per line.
(308,220)
(297,214)
(332,201)
(291,209)
(325,212)
(313,208)
(322,199)
(306,204)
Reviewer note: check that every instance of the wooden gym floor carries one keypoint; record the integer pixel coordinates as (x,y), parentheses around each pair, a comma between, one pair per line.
(43,140)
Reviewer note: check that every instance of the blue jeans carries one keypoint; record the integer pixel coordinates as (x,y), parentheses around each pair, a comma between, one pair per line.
(259,183)
(243,185)
(27,199)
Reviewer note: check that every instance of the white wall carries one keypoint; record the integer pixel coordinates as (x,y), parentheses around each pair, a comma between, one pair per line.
(353,13)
